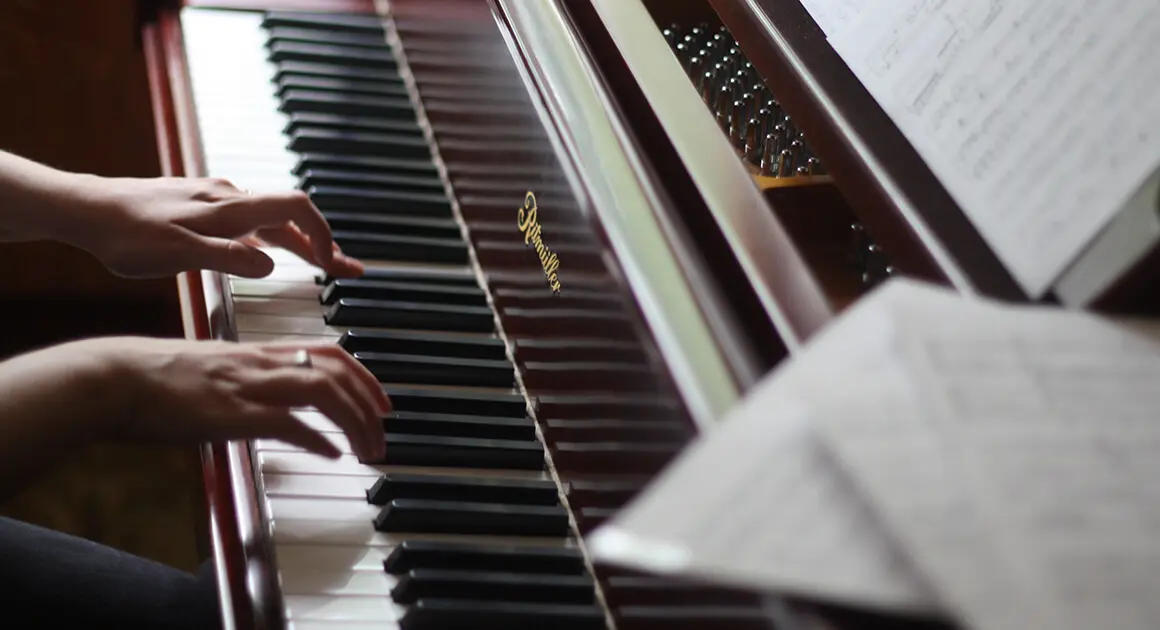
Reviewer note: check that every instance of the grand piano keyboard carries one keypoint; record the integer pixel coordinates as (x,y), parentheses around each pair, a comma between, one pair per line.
(468,521)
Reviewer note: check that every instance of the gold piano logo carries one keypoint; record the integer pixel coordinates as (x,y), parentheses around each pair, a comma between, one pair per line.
(530,226)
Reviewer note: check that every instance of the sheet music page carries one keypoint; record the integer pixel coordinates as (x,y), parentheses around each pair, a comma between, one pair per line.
(1040,118)
(756,503)
(1015,461)
(833,16)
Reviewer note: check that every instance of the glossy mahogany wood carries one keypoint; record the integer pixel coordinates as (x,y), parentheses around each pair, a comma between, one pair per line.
(244,572)
(328,6)
(812,83)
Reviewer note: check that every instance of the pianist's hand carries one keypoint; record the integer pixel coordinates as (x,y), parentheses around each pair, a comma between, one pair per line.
(191,391)
(163,226)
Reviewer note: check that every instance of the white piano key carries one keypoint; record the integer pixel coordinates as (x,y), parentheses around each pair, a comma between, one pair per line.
(318,486)
(319,532)
(333,570)
(345,624)
(262,323)
(342,608)
(345,510)
(261,337)
(291,273)
(247,287)
(279,307)
(309,463)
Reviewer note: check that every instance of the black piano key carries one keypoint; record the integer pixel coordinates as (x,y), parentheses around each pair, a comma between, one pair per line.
(430,344)
(589,376)
(365,87)
(365,164)
(627,457)
(317,120)
(351,56)
(334,22)
(441,614)
(494,586)
(420,516)
(417,249)
(404,146)
(402,292)
(410,315)
(356,179)
(454,425)
(287,69)
(615,430)
(474,489)
(532,349)
(457,277)
(647,590)
(453,452)
(329,103)
(385,201)
(608,406)
(692,618)
(603,492)
(320,36)
(467,403)
(428,370)
(393,225)
(421,554)
(565,322)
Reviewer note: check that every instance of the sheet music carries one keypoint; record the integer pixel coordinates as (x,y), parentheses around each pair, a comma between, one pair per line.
(757,503)
(1040,118)
(833,16)
(1015,460)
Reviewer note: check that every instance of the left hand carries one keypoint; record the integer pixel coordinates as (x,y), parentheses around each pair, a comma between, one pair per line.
(163,226)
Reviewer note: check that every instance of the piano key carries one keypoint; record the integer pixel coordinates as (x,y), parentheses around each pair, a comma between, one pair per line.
(458,276)
(439,370)
(333,570)
(392,145)
(321,36)
(336,22)
(432,344)
(692,618)
(357,179)
(279,458)
(485,427)
(635,430)
(647,590)
(286,69)
(349,56)
(272,324)
(362,534)
(321,509)
(606,406)
(590,376)
(316,120)
(411,315)
(337,608)
(477,489)
(362,163)
(455,452)
(457,402)
(440,614)
(626,457)
(301,100)
(404,202)
(416,554)
(278,307)
(361,222)
(456,517)
(532,349)
(365,87)
(263,288)
(401,248)
(493,586)
(278,484)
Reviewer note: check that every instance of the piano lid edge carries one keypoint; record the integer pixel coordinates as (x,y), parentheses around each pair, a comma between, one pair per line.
(568,98)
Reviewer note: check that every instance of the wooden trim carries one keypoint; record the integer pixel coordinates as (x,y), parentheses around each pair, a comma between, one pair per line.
(244,572)
(327,6)
(894,192)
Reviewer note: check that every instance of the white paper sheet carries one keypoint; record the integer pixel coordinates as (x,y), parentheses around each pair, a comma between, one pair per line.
(832,16)
(1041,118)
(1015,460)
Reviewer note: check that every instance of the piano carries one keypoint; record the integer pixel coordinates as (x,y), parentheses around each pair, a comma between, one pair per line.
(591,226)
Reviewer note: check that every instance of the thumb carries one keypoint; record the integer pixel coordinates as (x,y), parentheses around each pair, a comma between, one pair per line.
(229,256)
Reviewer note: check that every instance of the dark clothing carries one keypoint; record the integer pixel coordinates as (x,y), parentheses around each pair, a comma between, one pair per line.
(48,579)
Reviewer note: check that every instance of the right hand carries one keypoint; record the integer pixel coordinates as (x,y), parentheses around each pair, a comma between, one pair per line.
(200,391)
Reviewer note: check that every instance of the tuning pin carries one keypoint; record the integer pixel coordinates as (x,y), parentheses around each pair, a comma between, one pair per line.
(707,87)
(694,66)
(752,149)
(737,120)
(671,33)
(768,156)
(724,98)
(815,166)
(785,163)
(802,171)
(682,51)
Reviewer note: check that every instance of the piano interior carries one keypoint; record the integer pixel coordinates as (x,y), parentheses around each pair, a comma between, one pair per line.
(592,225)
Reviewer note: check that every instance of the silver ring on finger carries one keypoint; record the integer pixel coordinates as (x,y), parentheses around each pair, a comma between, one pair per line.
(302,359)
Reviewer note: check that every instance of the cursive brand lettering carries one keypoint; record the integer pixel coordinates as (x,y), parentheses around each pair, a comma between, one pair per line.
(529,223)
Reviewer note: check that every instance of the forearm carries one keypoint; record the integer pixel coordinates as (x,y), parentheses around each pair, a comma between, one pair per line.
(51,401)
(38,202)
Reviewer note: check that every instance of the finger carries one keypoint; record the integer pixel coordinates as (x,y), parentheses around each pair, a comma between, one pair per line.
(281,424)
(290,238)
(228,256)
(270,210)
(348,379)
(302,387)
(369,382)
